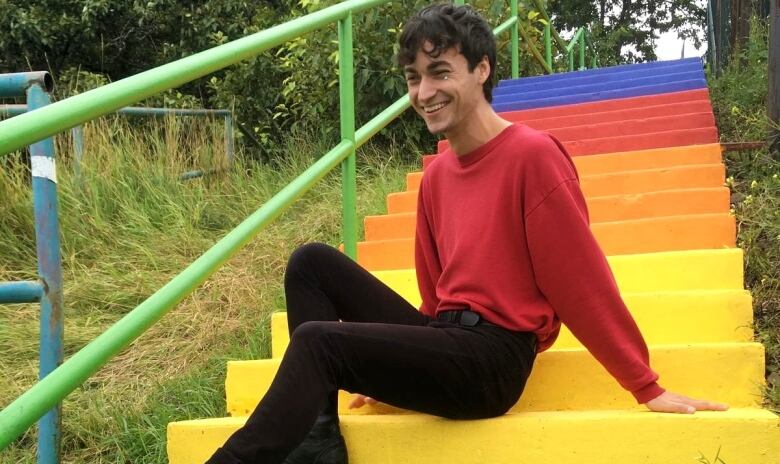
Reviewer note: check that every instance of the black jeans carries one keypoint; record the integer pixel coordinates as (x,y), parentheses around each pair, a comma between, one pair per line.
(384,348)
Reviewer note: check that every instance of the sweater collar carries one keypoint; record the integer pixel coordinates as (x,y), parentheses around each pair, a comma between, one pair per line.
(484,150)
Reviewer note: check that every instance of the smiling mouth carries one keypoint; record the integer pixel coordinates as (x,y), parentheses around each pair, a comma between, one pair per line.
(434,108)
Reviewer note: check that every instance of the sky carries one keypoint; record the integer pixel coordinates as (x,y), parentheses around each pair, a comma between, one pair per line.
(669,47)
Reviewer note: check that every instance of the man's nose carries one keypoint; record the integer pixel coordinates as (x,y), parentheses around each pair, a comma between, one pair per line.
(427,89)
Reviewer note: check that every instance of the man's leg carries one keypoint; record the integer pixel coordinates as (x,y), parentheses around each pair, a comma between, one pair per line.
(441,369)
(323,284)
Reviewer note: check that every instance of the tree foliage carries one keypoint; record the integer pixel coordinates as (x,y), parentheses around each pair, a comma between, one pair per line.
(86,43)
(626,30)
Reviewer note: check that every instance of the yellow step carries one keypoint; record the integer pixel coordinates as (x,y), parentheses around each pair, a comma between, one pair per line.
(743,436)
(649,272)
(572,379)
(709,316)
(600,209)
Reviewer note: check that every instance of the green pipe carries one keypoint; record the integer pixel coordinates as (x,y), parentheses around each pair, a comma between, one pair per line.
(574,40)
(515,39)
(558,40)
(547,45)
(582,51)
(504,26)
(44,395)
(25,129)
(533,48)
(348,168)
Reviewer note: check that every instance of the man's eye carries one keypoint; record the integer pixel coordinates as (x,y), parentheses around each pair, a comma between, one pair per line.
(412,78)
(442,73)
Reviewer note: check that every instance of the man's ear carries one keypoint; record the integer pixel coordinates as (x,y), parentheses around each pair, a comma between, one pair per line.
(483,70)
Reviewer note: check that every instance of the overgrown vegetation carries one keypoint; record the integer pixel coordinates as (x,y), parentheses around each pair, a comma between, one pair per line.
(129,225)
(739,101)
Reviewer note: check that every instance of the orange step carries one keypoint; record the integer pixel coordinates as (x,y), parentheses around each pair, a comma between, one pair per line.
(601,209)
(672,109)
(674,233)
(640,181)
(607,105)
(654,180)
(637,160)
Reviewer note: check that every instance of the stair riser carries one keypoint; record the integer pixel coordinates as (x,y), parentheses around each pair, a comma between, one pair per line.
(621,69)
(634,127)
(675,109)
(574,380)
(602,95)
(636,182)
(609,105)
(654,272)
(600,209)
(668,139)
(616,79)
(663,318)
(699,232)
(744,437)
(513,94)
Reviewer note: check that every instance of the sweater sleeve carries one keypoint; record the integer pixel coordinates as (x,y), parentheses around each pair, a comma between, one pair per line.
(574,275)
(426,259)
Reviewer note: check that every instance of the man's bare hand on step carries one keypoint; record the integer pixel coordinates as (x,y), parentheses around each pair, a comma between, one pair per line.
(358,401)
(676,403)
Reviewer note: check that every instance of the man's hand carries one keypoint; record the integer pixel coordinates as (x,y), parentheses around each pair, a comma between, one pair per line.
(358,401)
(672,402)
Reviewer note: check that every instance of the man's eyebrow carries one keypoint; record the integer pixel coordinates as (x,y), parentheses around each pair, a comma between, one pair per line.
(436,64)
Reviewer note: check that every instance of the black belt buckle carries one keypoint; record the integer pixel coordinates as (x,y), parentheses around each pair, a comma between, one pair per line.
(465,318)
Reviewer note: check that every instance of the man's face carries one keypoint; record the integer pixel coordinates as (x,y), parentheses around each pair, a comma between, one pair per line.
(442,90)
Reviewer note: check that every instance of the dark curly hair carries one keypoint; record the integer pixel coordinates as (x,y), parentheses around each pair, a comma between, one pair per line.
(445,26)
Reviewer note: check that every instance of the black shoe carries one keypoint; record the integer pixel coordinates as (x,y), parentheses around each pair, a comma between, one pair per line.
(323,445)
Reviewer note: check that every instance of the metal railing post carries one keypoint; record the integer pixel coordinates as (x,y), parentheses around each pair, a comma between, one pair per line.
(78,149)
(582,50)
(47,238)
(230,145)
(515,40)
(348,166)
(548,45)
(571,60)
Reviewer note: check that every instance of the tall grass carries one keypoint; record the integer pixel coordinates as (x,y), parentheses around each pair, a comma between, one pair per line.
(739,101)
(128,226)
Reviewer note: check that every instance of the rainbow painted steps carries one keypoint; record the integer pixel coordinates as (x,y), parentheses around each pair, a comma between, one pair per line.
(645,146)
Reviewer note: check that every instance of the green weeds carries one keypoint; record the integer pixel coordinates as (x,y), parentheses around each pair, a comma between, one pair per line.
(128,226)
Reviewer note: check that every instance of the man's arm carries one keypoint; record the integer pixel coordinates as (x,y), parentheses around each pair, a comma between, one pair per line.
(573,274)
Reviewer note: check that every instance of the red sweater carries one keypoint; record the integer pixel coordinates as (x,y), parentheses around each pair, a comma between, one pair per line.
(504,231)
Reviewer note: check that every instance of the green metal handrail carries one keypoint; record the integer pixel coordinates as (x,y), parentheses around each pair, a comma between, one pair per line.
(22,130)
(581,37)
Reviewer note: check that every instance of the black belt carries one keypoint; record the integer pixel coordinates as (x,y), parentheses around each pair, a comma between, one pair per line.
(462,317)
(468,318)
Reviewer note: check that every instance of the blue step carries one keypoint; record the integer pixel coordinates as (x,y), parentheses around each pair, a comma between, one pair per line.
(563,89)
(602,71)
(518,85)
(603,95)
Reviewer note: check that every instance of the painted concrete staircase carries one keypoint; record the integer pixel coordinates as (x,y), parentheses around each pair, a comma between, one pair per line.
(654,182)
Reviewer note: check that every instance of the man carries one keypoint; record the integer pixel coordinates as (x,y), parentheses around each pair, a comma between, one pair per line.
(503,254)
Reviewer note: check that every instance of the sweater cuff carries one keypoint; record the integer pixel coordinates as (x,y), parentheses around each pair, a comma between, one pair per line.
(648,392)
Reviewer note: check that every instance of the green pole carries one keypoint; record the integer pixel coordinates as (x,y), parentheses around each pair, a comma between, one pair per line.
(571,60)
(515,40)
(458,2)
(547,45)
(582,49)
(348,166)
